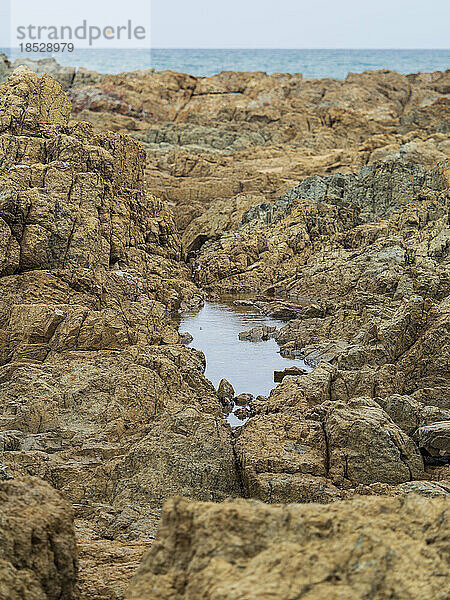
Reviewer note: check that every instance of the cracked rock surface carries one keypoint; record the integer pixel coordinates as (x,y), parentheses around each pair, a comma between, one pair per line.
(242,550)
(327,203)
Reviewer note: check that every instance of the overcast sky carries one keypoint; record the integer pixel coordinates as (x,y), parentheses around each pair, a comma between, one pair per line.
(301,23)
(274,23)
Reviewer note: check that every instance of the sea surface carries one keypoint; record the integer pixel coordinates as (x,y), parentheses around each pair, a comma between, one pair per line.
(311,63)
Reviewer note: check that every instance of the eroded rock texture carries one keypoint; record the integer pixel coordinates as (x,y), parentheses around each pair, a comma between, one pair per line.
(97,395)
(38,557)
(325,200)
(247,550)
(222,138)
(211,139)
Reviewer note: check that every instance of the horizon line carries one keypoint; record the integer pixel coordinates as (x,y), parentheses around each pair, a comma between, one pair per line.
(239,48)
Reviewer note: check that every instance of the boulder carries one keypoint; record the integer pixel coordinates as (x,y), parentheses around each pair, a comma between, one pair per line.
(366,446)
(243,399)
(364,548)
(38,556)
(434,438)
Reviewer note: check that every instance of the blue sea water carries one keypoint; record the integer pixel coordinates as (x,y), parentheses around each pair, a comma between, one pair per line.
(311,63)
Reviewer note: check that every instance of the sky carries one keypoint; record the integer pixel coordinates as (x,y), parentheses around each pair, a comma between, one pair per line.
(269,23)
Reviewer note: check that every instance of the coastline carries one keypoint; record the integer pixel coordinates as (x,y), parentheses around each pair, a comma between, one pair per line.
(324,205)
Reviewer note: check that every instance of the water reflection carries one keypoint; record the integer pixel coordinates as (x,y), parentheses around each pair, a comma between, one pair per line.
(248,366)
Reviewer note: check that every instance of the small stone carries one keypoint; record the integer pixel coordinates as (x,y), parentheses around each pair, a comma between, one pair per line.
(225,392)
(185,337)
(258,334)
(243,399)
(294,371)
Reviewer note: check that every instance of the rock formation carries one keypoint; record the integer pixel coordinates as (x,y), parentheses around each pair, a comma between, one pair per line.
(96,391)
(38,558)
(225,137)
(367,548)
(326,201)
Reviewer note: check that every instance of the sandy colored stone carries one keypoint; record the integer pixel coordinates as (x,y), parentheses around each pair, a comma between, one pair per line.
(365,446)
(248,550)
(38,557)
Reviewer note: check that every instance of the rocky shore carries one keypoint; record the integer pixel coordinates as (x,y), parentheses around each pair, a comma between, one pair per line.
(126,198)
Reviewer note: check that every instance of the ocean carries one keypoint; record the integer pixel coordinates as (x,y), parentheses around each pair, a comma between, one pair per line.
(311,63)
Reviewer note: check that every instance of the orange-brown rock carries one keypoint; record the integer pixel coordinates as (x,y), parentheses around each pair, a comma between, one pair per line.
(38,556)
(248,550)
(96,391)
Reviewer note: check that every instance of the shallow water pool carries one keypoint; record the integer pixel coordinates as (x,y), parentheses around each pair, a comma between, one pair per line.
(248,366)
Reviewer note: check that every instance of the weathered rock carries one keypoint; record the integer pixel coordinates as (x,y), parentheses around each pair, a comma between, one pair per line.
(424,488)
(94,382)
(187,453)
(409,414)
(49,66)
(211,139)
(258,334)
(434,438)
(365,446)
(98,396)
(5,67)
(38,557)
(107,566)
(243,399)
(222,215)
(279,453)
(278,376)
(185,337)
(366,547)
(225,391)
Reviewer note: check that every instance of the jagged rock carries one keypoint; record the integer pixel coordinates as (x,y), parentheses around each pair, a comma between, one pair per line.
(278,376)
(222,215)
(365,446)
(197,138)
(434,438)
(94,381)
(32,106)
(243,399)
(38,557)
(424,366)
(186,337)
(337,443)
(225,391)
(49,66)
(432,117)
(243,413)
(279,453)
(107,566)
(186,454)
(5,67)
(378,287)
(366,547)
(409,414)
(424,488)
